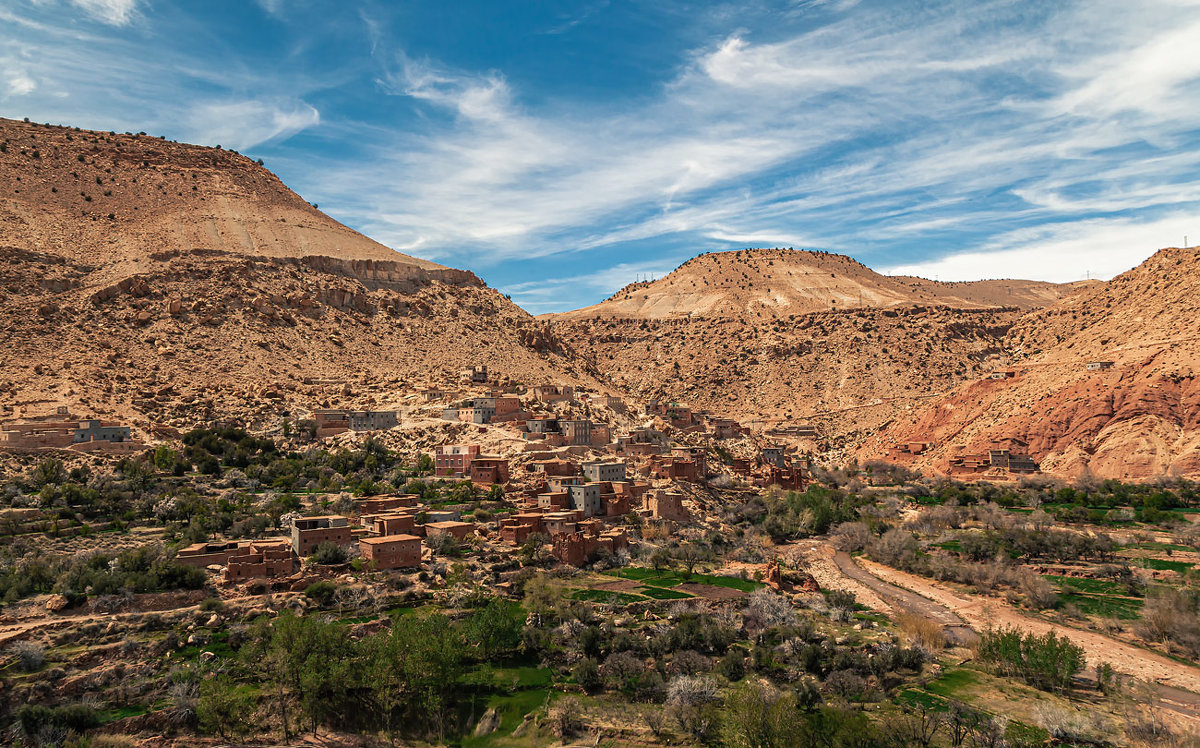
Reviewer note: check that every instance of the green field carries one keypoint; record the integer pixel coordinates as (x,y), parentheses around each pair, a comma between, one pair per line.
(652,578)
(1093,586)
(1104,606)
(605,596)
(1164,565)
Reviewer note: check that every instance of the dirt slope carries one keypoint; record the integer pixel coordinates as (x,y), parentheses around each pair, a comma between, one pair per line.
(782,336)
(214,292)
(1138,420)
(762,284)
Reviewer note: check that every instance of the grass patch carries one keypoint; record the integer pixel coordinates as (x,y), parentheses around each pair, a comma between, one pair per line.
(953,681)
(112,715)
(512,710)
(606,596)
(1104,606)
(1164,565)
(1156,546)
(1094,586)
(671,578)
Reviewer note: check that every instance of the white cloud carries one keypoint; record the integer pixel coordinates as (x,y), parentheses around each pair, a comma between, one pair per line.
(244,124)
(113,12)
(1099,248)
(19,83)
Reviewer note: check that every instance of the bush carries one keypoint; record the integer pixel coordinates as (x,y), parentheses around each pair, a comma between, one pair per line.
(321,592)
(328,553)
(34,718)
(30,655)
(1170,617)
(1047,662)
(587,675)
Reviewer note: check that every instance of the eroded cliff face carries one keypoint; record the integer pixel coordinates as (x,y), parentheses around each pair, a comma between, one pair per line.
(1139,419)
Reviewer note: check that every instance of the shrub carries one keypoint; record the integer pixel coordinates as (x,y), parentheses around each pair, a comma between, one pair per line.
(1047,662)
(587,675)
(328,553)
(321,592)
(30,655)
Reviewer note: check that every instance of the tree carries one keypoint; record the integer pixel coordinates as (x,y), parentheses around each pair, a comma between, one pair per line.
(495,628)
(690,554)
(756,715)
(223,706)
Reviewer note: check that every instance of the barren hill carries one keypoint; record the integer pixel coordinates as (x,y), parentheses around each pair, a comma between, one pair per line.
(171,284)
(767,283)
(1138,419)
(786,337)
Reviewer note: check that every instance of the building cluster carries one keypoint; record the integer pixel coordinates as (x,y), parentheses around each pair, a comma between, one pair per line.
(65,431)
(337,421)
(1010,454)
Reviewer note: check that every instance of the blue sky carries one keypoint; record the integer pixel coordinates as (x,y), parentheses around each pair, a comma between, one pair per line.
(559,149)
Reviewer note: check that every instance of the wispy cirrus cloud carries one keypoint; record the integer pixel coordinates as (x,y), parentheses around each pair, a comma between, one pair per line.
(911,135)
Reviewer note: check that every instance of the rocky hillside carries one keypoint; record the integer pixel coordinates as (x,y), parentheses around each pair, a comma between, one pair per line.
(1138,419)
(789,337)
(764,284)
(172,284)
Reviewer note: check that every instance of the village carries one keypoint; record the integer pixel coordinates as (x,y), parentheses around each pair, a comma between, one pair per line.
(585,464)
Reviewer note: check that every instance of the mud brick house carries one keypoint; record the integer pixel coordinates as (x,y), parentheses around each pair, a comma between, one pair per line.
(1007,454)
(1099,365)
(552,467)
(557,523)
(549,393)
(260,559)
(380,504)
(474,375)
(665,505)
(479,410)
(724,428)
(336,421)
(577,548)
(551,500)
(790,477)
(604,471)
(517,528)
(391,551)
(392,524)
(454,459)
(677,414)
(1002,374)
(776,456)
(577,433)
(489,469)
(62,431)
(697,455)
(309,532)
(672,467)
(611,402)
(201,555)
(586,498)
(459,530)
(542,425)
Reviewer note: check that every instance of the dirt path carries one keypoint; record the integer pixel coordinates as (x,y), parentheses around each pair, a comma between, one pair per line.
(957,630)
(1179,684)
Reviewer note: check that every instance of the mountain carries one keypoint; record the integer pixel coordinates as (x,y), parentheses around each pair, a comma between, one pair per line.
(756,284)
(167,284)
(1138,419)
(786,337)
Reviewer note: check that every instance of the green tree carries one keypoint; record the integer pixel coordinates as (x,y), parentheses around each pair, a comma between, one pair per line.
(223,706)
(495,628)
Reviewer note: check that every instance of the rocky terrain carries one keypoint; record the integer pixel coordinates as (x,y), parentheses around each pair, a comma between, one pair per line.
(754,285)
(170,284)
(785,337)
(1135,420)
